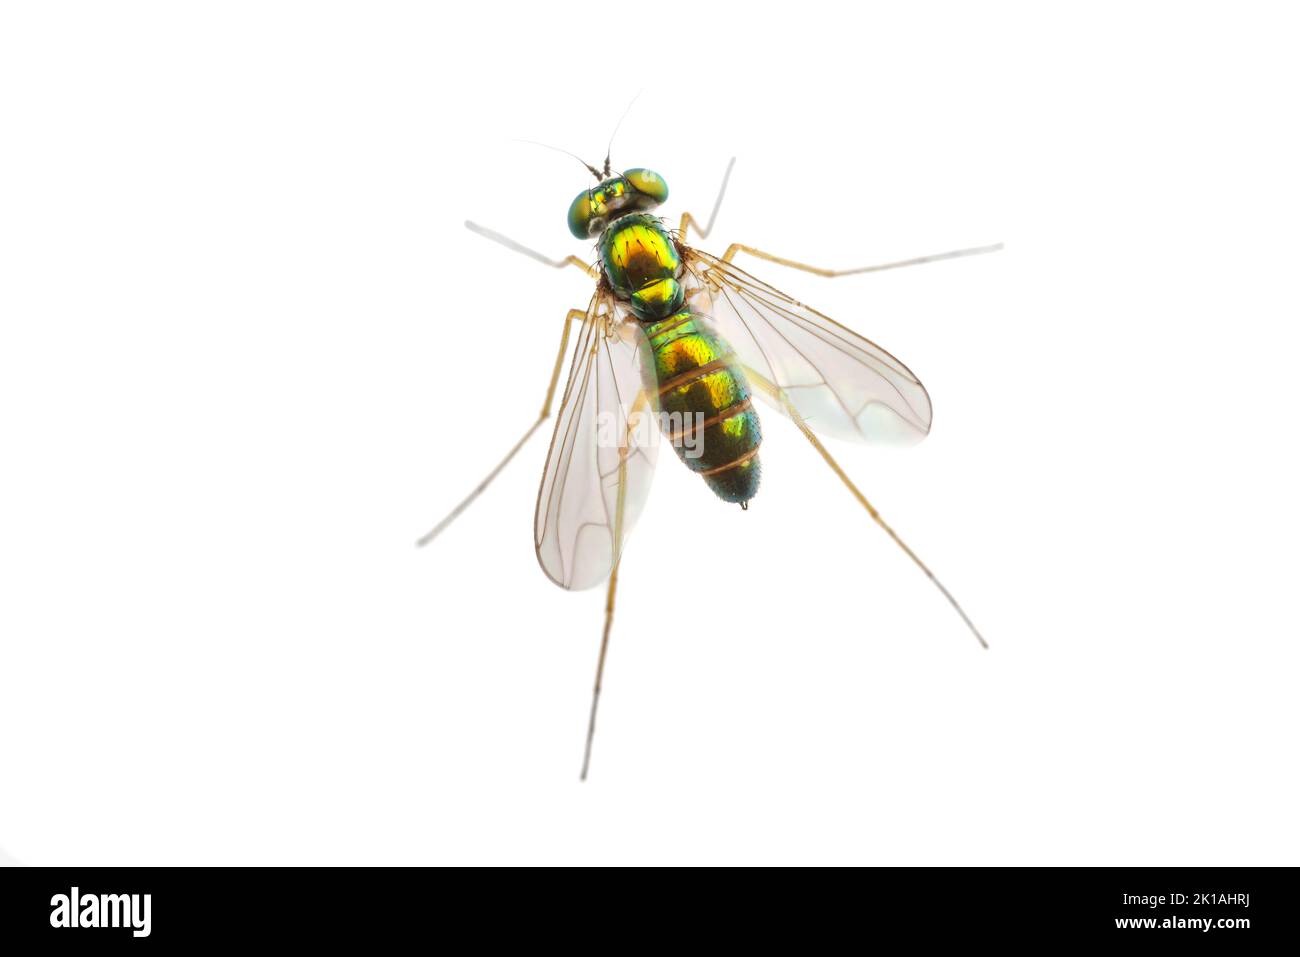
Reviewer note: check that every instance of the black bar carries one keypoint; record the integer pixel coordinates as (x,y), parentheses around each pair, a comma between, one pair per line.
(373,907)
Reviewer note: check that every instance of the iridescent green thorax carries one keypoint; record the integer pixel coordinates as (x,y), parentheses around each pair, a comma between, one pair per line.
(643,265)
(704,404)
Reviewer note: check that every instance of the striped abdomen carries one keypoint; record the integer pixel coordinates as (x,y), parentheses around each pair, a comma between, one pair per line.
(704,402)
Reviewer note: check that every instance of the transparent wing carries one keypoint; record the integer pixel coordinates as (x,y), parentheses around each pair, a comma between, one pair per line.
(602,455)
(841,384)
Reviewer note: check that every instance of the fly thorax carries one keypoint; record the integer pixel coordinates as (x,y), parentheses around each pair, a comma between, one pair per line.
(643,266)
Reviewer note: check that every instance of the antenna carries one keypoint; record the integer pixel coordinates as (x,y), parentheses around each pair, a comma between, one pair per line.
(610,148)
(591,169)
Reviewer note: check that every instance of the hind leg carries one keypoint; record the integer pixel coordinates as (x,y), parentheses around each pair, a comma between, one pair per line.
(779,396)
(735,248)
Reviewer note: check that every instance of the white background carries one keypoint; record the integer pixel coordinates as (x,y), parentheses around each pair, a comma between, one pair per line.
(249,354)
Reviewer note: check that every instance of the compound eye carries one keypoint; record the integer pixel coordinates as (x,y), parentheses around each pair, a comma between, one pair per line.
(649,182)
(580,216)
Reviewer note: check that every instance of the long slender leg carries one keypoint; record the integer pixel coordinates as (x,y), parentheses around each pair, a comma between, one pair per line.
(642,400)
(779,395)
(600,671)
(545,413)
(831,273)
(689,220)
(531,253)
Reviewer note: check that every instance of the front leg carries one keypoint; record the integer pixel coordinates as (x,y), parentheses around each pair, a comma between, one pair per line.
(531,253)
(688,219)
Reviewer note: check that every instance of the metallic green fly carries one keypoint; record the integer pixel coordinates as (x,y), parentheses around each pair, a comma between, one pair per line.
(676,341)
